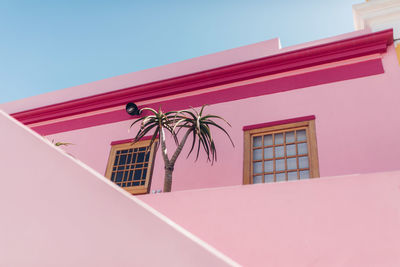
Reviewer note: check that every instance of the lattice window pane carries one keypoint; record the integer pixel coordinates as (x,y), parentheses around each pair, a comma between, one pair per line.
(140,157)
(269,178)
(268,140)
(269,166)
(290,137)
(257,154)
(303,162)
(257,141)
(292,175)
(291,150)
(280,177)
(302,148)
(304,174)
(268,153)
(280,165)
(301,135)
(279,151)
(122,160)
(291,164)
(257,167)
(257,179)
(279,139)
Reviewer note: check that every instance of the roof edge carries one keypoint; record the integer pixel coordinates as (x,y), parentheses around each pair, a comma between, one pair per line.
(367,44)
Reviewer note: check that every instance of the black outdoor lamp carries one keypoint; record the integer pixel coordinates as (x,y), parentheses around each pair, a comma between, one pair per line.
(132,109)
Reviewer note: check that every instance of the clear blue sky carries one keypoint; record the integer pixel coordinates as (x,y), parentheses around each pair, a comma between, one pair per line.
(50,45)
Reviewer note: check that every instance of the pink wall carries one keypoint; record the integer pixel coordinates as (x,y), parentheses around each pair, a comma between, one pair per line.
(356,124)
(56,211)
(340,221)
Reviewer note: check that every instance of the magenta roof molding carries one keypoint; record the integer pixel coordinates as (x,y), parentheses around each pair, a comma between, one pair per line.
(340,73)
(124,141)
(353,47)
(280,122)
(192,65)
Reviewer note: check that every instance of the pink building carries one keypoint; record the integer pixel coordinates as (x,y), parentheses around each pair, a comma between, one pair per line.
(320,109)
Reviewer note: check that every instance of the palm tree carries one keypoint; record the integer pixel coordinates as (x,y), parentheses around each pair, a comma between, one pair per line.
(192,123)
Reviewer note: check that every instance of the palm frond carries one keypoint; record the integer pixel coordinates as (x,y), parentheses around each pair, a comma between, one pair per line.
(193,142)
(208,117)
(222,129)
(193,122)
(61,144)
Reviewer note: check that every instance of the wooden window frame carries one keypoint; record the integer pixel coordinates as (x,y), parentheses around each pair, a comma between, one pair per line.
(311,141)
(135,190)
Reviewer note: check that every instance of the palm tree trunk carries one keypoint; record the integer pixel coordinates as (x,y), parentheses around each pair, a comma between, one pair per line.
(163,146)
(169,165)
(179,149)
(168,179)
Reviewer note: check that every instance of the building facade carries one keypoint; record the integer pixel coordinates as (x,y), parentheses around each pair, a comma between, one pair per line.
(323,108)
(297,113)
(320,109)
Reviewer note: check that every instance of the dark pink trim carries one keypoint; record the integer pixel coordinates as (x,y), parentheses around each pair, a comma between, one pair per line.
(124,141)
(302,58)
(340,73)
(274,123)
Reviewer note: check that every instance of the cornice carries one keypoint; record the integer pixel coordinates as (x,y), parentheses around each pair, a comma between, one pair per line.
(307,57)
(375,12)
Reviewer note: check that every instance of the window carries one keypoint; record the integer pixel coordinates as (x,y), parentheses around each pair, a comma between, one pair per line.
(280,151)
(130,167)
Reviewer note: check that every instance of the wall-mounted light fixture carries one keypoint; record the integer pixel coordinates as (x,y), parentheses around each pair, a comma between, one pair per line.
(132,109)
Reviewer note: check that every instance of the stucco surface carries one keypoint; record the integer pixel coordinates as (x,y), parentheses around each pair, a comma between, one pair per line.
(56,211)
(338,221)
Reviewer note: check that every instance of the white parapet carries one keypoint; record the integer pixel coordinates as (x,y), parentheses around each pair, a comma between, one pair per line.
(378,15)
